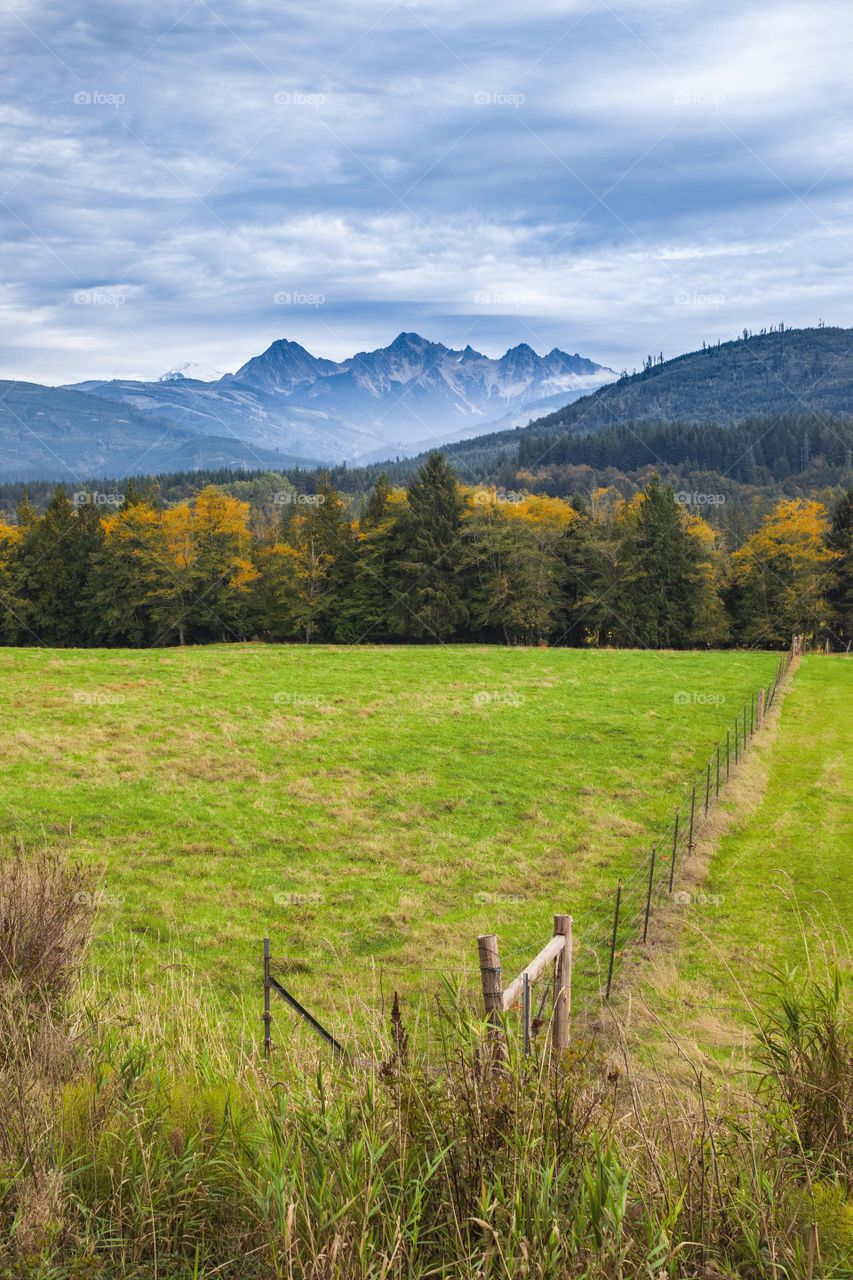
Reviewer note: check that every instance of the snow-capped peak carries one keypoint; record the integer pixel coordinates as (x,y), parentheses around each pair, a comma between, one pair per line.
(192,372)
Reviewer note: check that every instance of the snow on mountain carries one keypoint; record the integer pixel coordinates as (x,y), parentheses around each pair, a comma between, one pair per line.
(390,399)
(192,372)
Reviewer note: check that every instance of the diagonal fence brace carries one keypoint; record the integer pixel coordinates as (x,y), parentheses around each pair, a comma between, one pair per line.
(308,1017)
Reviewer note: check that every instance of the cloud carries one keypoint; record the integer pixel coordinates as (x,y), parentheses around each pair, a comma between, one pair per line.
(580,166)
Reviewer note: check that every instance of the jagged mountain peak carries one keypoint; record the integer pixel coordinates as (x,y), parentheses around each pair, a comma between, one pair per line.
(384,401)
(282,367)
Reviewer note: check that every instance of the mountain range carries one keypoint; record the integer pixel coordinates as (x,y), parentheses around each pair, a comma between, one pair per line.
(287,407)
(283,407)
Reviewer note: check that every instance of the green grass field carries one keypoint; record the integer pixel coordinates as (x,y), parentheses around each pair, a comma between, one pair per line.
(379,806)
(779,888)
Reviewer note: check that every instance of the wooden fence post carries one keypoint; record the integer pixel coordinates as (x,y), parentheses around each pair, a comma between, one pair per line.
(707,788)
(562,984)
(267,1014)
(760,707)
(490,976)
(737,756)
(728,753)
(525,1012)
(692,816)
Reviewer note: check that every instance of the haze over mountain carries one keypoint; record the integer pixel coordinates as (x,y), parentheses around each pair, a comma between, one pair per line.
(54,433)
(282,406)
(288,407)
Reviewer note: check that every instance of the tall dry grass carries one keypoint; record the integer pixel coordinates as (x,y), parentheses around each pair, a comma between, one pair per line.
(141,1142)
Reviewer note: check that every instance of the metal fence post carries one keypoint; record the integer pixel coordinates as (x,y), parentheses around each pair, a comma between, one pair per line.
(267,1014)
(613,938)
(692,816)
(674,851)
(649,892)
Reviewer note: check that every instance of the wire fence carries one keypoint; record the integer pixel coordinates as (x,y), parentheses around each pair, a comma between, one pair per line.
(622,915)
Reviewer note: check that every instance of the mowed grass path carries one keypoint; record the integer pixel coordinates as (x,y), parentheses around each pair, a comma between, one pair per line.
(387,803)
(780,885)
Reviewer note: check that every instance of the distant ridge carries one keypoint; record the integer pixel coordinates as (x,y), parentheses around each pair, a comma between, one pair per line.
(788,372)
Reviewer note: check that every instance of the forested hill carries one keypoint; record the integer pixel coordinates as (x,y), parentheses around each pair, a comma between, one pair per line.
(783,372)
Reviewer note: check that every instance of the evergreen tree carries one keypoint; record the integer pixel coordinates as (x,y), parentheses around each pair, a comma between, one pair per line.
(661,582)
(53,567)
(324,543)
(431,531)
(840,593)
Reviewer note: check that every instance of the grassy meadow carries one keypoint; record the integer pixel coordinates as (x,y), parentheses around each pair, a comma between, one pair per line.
(777,893)
(370,809)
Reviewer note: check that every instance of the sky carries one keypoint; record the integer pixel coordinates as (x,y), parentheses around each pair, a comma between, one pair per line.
(189,182)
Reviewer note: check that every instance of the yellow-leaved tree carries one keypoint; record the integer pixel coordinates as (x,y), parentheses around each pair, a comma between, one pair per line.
(782,575)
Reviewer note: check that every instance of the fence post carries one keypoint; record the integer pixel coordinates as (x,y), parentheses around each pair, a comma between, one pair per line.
(707,788)
(751,714)
(613,938)
(760,707)
(674,851)
(744,728)
(692,815)
(562,984)
(651,886)
(267,1014)
(525,1011)
(490,976)
(717,792)
(737,757)
(728,752)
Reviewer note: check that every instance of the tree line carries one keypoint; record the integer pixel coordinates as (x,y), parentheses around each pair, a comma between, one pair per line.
(435,561)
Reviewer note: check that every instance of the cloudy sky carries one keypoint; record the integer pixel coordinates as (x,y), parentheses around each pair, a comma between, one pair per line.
(187,182)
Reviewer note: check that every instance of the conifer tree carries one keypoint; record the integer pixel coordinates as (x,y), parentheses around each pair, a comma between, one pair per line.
(433,601)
